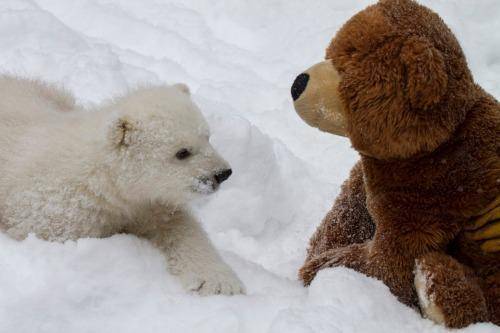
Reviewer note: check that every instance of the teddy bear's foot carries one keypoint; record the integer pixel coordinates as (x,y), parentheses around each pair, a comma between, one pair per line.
(427,304)
(491,290)
(448,292)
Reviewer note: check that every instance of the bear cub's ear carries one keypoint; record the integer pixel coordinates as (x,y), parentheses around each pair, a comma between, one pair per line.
(427,79)
(183,87)
(120,132)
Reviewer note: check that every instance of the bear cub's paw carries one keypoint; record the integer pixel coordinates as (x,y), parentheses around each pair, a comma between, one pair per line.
(213,283)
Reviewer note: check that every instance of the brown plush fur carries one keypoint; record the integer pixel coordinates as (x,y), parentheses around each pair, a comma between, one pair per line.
(348,221)
(451,286)
(428,139)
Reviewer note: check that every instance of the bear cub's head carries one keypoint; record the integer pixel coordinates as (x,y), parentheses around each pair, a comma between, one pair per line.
(395,81)
(159,149)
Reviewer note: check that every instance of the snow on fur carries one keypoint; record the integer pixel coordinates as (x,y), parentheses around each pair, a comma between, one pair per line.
(239,59)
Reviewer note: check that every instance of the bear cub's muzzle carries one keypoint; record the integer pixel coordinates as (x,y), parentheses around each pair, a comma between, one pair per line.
(222,175)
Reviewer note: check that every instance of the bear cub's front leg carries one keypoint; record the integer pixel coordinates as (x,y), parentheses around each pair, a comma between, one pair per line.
(189,253)
(192,257)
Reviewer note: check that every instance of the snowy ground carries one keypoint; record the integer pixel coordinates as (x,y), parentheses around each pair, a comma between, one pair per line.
(239,57)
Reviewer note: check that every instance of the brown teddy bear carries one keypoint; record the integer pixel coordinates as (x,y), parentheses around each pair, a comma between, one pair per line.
(397,84)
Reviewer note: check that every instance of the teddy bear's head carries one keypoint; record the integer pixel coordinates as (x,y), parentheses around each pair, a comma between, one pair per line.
(395,81)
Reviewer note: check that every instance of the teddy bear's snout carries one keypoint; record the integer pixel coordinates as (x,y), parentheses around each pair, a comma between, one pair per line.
(299,85)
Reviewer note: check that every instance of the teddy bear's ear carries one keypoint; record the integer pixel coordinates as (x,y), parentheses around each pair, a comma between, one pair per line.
(427,80)
(120,132)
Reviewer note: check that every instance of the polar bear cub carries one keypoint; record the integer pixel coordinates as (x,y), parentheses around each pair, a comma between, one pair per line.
(129,166)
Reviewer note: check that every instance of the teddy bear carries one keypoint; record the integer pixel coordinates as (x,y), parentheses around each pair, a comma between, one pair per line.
(419,210)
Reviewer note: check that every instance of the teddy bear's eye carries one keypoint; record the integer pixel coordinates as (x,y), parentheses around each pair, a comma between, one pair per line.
(183,154)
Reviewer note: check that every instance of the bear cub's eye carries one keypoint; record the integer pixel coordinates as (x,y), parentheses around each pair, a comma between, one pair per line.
(183,154)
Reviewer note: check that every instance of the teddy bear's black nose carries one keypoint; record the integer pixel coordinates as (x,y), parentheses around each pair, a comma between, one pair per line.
(222,175)
(299,85)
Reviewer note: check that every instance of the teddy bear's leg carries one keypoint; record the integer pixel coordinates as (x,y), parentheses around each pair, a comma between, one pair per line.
(346,223)
(449,293)
(491,290)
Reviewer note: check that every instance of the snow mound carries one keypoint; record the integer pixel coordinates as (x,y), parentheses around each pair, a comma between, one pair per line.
(239,59)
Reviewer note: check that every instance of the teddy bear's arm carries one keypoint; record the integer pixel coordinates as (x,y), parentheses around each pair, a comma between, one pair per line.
(346,223)
(401,236)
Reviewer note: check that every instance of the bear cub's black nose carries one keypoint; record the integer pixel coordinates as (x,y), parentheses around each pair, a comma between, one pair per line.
(299,85)
(222,175)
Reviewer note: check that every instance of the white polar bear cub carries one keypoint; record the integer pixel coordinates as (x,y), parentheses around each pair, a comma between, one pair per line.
(129,166)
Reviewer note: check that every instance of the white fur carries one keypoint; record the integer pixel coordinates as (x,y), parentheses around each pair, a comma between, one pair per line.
(94,173)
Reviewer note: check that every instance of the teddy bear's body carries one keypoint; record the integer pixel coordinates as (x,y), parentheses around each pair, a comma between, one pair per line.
(366,194)
(428,140)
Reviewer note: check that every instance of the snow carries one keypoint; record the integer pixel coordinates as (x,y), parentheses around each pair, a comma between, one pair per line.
(239,59)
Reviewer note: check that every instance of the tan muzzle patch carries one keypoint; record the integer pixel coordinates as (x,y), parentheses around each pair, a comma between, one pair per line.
(316,99)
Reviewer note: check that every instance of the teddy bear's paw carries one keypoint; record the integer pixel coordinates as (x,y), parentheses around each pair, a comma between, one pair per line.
(311,267)
(352,256)
(426,300)
(309,271)
(226,283)
(448,292)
